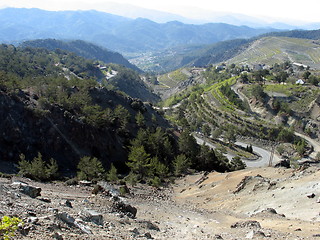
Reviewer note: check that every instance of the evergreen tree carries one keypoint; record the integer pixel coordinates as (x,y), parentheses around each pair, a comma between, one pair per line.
(139,161)
(140,119)
(90,168)
(181,164)
(188,145)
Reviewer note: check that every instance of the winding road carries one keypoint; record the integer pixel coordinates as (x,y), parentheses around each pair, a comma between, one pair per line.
(264,155)
(312,142)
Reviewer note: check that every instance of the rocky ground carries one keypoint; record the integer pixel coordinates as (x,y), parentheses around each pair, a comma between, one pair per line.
(261,203)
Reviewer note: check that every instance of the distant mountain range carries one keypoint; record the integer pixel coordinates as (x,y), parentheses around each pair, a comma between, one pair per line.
(200,16)
(113,32)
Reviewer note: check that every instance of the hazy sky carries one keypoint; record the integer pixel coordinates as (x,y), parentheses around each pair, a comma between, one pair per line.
(304,11)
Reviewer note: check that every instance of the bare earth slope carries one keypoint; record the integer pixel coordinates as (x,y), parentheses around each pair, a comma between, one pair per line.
(261,203)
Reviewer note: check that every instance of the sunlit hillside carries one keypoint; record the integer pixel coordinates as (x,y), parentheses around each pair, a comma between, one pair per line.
(271,50)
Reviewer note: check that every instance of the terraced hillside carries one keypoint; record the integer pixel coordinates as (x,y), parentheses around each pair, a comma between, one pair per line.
(271,50)
(178,80)
(226,108)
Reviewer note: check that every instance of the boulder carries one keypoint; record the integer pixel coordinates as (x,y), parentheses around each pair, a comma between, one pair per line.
(246,224)
(148,235)
(57,236)
(149,225)
(91,216)
(127,209)
(109,189)
(255,234)
(65,217)
(283,163)
(24,188)
(311,195)
(68,203)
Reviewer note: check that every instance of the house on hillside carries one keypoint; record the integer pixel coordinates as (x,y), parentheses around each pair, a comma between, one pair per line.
(300,82)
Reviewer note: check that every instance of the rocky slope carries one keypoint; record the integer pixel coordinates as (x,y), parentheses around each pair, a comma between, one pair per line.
(262,203)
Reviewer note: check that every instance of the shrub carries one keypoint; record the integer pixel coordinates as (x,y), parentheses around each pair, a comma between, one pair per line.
(8,226)
(90,168)
(112,174)
(155,182)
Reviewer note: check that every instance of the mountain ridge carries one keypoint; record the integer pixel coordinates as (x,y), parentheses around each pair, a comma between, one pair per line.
(111,31)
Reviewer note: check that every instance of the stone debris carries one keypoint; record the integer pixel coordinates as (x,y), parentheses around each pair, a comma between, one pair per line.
(109,189)
(72,212)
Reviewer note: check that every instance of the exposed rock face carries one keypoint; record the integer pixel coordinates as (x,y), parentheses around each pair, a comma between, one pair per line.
(255,183)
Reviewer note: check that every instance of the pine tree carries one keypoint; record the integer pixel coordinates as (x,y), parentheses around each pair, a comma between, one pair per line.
(112,175)
(181,164)
(139,161)
(140,119)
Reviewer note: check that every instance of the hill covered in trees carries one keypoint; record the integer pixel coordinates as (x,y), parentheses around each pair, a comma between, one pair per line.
(84,49)
(52,107)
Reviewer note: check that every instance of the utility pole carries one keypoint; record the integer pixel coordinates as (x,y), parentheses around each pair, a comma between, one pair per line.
(271,156)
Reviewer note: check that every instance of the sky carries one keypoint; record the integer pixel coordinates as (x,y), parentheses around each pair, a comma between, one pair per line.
(276,10)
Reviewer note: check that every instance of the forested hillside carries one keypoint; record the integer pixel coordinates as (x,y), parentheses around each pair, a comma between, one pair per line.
(84,49)
(52,107)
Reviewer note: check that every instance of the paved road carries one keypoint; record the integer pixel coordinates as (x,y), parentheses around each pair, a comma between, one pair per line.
(263,160)
(315,144)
